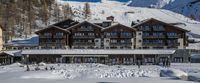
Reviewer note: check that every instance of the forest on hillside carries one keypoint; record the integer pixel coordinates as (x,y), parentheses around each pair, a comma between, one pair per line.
(21,18)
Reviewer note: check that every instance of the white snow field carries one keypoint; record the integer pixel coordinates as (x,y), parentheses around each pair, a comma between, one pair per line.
(93,73)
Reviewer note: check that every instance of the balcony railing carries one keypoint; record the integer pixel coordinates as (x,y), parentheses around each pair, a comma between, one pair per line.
(118,44)
(83,36)
(45,36)
(112,36)
(124,36)
(159,36)
(57,36)
(172,36)
(154,44)
(173,44)
(83,43)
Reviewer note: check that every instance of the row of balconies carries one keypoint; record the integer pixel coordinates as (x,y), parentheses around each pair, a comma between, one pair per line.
(160,36)
(119,43)
(83,43)
(53,36)
(83,37)
(160,44)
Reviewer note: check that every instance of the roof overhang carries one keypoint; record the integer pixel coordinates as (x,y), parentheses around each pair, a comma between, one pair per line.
(83,23)
(147,20)
(52,26)
(96,52)
(118,24)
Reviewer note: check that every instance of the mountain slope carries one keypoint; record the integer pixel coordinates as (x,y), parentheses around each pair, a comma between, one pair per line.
(125,14)
(189,8)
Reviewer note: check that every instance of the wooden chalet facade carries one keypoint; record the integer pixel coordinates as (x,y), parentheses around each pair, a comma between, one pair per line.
(53,37)
(151,41)
(85,35)
(155,34)
(119,36)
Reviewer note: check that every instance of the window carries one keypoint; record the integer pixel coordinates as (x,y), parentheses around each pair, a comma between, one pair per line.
(171,34)
(178,59)
(59,34)
(47,34)
(146,28)
(146,34)
(96,40)
(78,34)
(113,41)
(126,34)
(140,33)
(140,40)
(113,34)
(90,41)
(90,34)
(158,28)
(122,41)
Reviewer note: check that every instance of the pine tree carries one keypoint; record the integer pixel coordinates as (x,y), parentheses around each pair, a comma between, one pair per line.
(86,11)
(68,13)
(57,12)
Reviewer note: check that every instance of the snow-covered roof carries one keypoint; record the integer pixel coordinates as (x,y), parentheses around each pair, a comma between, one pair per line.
(33,41)
(13,52)
(195,56)
(95,51)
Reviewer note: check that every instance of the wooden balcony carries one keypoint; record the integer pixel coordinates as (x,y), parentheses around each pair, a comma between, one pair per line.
(123,36)
(111,36)
(83,43)
(153,44)
(77,37)
(175,36)
(173,44)
(121,44)
(59,36)
(152,37)
(45,36)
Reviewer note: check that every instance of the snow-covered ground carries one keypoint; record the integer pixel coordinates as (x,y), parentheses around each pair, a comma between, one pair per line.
(93,73)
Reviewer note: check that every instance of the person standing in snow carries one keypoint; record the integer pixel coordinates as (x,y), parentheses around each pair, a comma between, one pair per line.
(138,63)
(27,68)
(163,63)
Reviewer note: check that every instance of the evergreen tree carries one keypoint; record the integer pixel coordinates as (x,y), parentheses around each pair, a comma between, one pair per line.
(68,13)
(87,11)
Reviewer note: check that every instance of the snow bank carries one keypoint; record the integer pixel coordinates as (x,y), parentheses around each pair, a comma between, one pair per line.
(42,75)
(74,71)
(173,73)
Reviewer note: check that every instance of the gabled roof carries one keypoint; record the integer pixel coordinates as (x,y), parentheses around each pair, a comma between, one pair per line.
(52,26)
(70,21)
(64,21)
(147,20)
(118,24)
(11,53)
(83,23)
